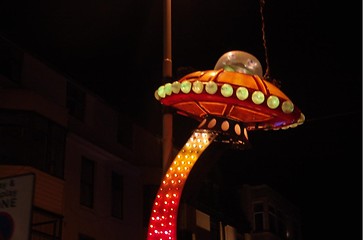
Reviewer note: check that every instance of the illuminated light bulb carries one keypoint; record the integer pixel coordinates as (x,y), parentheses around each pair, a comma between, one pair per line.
(226,90)
(175,87)
(161,91)
(287,107)
(156,95)
(197,87)
(242,93)
(237,129)
(212,123)
(273,102)
(167,89)
(258,97)
(202,122)
(211,87)
(186,86)
(225,125)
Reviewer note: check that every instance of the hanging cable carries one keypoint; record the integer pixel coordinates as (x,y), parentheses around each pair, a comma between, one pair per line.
(267,75)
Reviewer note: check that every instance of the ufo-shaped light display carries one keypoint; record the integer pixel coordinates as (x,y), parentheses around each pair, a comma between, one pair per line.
(229,101)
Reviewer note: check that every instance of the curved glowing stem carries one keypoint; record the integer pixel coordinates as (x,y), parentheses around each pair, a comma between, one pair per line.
(163,219)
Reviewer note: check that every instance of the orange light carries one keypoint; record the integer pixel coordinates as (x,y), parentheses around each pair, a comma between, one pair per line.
(163,220)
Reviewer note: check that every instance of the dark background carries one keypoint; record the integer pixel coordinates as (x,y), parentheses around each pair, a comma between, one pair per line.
(115,48)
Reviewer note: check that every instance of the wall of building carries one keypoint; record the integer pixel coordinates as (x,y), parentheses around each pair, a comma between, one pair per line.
(36,87)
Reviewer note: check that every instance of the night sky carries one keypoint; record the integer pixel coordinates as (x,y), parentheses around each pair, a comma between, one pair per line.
(115,48)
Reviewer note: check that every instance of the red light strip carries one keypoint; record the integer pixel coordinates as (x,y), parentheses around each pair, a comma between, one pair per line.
(164,214)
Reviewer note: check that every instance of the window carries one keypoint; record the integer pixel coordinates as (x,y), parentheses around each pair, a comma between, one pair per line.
(41,141)
(258,217)
(45,225)
(272,220)
(281,227)
(215,228)
(87,182)
(202,220)
(117,192)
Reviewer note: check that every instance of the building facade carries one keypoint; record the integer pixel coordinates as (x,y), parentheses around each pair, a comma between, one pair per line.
(270,215)
(91,167)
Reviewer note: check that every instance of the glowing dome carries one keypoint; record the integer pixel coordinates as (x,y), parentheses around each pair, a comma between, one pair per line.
(239,61)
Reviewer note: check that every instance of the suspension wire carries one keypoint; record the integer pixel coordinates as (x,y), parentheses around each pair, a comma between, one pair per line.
(267,72)
(267,75)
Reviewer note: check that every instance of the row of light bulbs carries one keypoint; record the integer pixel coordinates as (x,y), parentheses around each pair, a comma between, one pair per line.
(163,220)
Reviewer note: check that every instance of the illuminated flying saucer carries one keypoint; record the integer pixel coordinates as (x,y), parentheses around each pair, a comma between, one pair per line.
(229,101)
(234,90)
